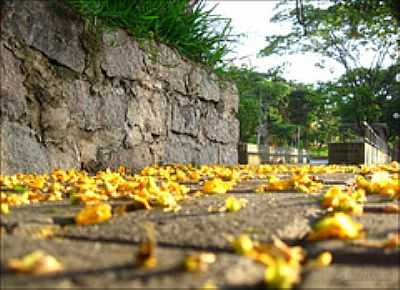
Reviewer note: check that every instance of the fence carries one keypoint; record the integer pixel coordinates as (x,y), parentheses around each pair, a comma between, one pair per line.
(259,154)
(357,153)
(370,148)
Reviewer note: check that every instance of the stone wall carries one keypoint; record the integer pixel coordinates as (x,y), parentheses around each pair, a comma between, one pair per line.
(71,99)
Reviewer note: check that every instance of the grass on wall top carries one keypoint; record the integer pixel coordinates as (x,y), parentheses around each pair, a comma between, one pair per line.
(196,33)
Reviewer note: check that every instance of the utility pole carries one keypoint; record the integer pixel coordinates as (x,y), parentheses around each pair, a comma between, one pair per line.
(262,129)
(299,155)
(396,156)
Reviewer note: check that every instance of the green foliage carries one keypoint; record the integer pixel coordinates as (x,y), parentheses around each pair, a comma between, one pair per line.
(343,30)
(196,33)
(368,95)
(288,106)
(318,151)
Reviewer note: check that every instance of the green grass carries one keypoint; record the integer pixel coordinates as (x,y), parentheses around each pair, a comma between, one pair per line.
(197,34)
(321,152)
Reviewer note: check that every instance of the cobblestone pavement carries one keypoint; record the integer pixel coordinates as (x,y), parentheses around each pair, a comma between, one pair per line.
(102,255)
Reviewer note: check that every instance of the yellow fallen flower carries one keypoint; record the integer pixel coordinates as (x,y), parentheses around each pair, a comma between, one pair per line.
(199,262)
(93,214)
(283,262)
(282,275)
(37,262)
(337,200)
(233,204)
(298,182)
(337,226)
(4,208)
(381,183)
(146,254)
(322,260)
(209,285)
(216,185)
(242,245)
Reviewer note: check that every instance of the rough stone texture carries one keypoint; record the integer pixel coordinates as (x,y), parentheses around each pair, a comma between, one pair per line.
(13,94)
(50,28)
(71,100)
(196,227)
(20,150)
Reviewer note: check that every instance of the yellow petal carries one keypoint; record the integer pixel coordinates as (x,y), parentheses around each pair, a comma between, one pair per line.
(282,275)
(199,262)
(232,204)
(339,226)
(243,245)
(93,214)
(146,254)
(216,185)
(4,208)
(324,259)
(37,262)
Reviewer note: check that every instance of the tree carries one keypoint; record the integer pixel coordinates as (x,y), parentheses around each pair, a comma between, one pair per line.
(288,106)
(344,30)
(364,96)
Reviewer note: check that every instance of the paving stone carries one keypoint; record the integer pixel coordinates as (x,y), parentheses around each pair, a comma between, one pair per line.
(195,226)
(100,265)
(378,225)
(352,277)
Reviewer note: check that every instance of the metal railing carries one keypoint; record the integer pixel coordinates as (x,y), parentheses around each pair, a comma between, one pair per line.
(374,139)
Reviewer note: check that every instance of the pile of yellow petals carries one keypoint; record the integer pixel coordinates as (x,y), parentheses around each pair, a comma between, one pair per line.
(217,186)
(186,173)
(284,263)
(381,183)
(298,182)
(164,186)
(349,202)
(393,167)
(336,226)
(79,187)
(36,263)
(93,214)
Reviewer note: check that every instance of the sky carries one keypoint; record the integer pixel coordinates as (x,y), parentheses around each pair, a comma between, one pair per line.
(252,18)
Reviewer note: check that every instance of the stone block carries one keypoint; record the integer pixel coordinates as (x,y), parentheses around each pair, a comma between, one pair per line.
(122,57)
(49,27)
(21,151)
(149,113)
(228,154)
(204,85)
(228,104)
(219,129)
(13,92)
(169,67)
(134,158)
(185,120)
